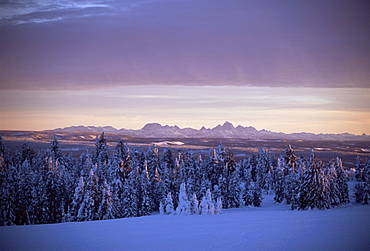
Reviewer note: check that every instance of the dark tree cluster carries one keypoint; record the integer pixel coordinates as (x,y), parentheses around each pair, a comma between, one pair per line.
(362,188)
(50,187)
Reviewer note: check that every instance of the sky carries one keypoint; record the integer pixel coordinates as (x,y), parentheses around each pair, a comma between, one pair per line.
(285,66)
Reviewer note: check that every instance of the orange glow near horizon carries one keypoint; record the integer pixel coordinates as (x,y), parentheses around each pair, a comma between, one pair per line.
(285,110)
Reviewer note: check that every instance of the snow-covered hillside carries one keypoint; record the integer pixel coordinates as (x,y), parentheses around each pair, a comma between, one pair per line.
(271,227)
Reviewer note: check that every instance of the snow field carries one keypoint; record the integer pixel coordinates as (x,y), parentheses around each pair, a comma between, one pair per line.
(271,227)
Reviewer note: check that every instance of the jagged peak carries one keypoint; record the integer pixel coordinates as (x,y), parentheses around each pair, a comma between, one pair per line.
(228,125)
(227,130)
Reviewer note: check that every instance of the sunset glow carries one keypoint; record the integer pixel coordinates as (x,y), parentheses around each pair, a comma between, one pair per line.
(288,66)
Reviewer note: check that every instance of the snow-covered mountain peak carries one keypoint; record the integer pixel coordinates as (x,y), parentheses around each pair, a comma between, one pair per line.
(226,130)
(228,126)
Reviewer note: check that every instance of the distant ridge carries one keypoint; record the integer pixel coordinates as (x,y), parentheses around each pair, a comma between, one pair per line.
(227,130)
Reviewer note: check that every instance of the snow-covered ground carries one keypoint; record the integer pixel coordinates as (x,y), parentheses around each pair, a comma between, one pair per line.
(271,227)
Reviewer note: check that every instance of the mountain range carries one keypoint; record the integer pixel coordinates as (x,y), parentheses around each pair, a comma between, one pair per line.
(227,130)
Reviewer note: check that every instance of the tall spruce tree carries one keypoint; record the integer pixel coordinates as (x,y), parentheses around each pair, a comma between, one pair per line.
(362,188)
(184,205)
(313,190)
(105,211)
(207,205)
(168,205)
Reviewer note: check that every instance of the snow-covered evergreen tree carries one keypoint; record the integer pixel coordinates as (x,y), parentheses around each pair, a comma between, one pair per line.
(234,189)
(214,168)
(153,161)
(8,196)
(4,161)
(255,194)
(263,169)
(146,195)
(122,158)
(86,210)
(52,198)
(161,208)
(221,190)
(331,178)
(168,205)
(160,189)
(313,192)
(341,182)
(279,181)
(101,152)
(290,159)
(167,166)
(194,205)
(359,169)
(130,196)
(362,188)
(184,205)
(117,194)
(105,211)
(78,197)
(218,206)
(207,205)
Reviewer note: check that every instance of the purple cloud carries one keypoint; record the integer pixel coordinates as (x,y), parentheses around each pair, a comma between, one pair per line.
(89,44)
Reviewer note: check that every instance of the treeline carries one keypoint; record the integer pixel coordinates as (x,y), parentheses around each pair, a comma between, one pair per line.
(50,187)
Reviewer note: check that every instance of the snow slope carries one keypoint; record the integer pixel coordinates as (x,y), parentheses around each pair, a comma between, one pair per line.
(271,227)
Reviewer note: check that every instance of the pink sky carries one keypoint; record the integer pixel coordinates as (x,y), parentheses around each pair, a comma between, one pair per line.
(280,65)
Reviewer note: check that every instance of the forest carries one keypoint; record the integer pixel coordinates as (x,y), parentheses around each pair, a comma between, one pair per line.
(50,187)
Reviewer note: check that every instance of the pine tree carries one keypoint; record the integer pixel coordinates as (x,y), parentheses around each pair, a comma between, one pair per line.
(117,195)
(160,189)
(290,159)
(263,169)
(193,178)
(168,205)
(342,185)
(86,210)
(359,169)
(362,188)
(161,208)
(218,206)
(214,168)
(313,190)
(137,161)
(5,161)
(101,152)
(24,194)
(221,190)
(167,164)
(95,191)
(153,161)
(146,196)
(78,196)
(291,187)
(247,193)
(8,196)
(204,186)
(331,179)
(131,203)
(207,206)
(122,158)
(105,211)
(184,205)
(234,189)
(255,194)
(279,182)
(194,205)
(52,198)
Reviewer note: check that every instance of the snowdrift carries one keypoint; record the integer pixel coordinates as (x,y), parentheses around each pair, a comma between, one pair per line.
(271,227)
